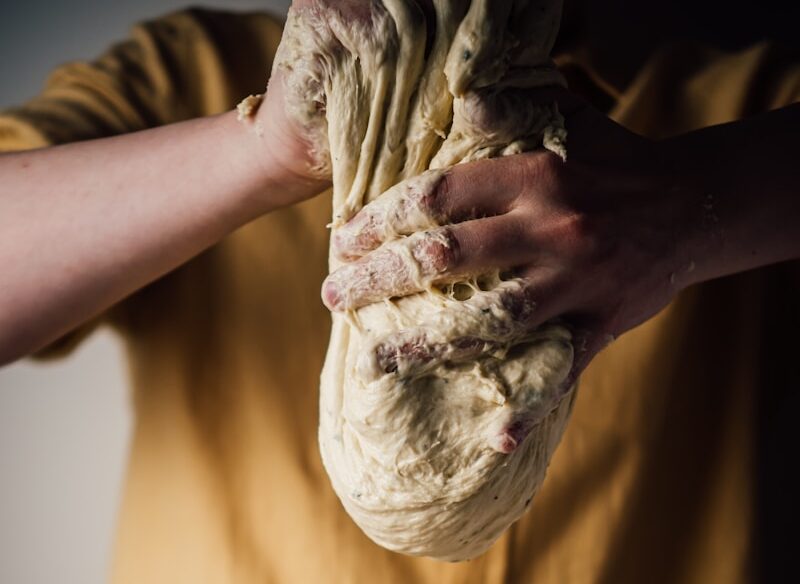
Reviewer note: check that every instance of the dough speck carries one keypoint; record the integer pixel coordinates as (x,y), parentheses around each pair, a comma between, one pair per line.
(247,108)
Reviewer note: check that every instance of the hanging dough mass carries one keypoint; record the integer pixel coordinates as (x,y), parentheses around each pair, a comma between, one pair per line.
(439,412)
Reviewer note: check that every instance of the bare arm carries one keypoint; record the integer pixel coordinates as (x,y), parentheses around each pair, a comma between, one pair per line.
(85,224)
(747,176)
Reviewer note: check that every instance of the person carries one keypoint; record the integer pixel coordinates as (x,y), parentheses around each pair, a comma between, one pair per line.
(133,197)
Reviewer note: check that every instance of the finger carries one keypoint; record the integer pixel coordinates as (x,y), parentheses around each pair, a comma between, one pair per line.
(417,262)
(398,268)
(411,353)
(467,191)
(404,209)
(487,323)
(415,352)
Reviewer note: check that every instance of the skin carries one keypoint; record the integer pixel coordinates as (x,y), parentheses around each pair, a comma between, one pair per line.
(103,218)
(607,239)
(84,225)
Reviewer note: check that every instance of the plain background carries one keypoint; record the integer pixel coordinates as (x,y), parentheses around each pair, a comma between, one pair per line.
(64,426)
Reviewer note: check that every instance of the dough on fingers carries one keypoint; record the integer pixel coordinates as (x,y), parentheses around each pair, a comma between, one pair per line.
(439,411)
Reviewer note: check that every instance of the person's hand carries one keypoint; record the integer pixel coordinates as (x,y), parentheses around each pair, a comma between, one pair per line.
(291,149)
(288,146)
(297,146)
(598,240)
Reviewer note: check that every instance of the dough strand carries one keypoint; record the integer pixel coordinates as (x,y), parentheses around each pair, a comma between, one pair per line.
(439,411)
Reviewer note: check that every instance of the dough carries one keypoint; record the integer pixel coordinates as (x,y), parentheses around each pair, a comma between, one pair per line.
(439,412)
(247,108)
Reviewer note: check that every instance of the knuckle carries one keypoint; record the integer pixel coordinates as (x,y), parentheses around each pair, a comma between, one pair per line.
(437,251)
(580,227)
(582,236)
(543,168)
(595,242)
(451,252)
(435,201)
(477,109)
(524,176)
(553,167)
(386,356)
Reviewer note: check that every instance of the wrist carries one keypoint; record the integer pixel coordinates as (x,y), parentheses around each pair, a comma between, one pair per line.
(743,176)
(691,190)
(266,164)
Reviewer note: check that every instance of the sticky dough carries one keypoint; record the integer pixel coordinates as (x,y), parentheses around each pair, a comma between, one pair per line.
(439,412)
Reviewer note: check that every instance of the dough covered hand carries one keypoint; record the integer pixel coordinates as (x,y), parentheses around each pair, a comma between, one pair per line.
(613,217)
(439,411)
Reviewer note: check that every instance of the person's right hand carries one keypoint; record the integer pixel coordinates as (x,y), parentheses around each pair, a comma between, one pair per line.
(601,241)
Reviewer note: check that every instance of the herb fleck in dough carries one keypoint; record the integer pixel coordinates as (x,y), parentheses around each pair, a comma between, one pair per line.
(439,412)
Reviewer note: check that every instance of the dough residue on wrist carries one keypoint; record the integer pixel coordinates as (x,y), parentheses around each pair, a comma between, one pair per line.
(247,108)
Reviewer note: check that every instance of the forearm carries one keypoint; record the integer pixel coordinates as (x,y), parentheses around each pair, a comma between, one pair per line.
(744,181)
(84,225)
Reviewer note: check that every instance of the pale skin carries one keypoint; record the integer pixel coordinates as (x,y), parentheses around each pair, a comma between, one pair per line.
(84,225)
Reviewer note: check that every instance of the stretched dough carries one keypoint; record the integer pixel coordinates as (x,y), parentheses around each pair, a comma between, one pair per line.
(439,412)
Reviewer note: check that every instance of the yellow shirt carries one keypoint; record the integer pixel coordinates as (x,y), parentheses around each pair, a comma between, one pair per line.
(654,480)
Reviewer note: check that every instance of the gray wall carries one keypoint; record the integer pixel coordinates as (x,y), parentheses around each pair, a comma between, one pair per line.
(64,426)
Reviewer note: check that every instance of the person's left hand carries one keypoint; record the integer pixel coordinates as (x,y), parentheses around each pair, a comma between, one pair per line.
(295,149)
(601,241)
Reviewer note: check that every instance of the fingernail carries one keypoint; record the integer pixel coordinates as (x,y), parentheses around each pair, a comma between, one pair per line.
(331,295)
(510,437)
(503,443)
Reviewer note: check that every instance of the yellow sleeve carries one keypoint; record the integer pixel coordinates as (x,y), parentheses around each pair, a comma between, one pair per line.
(187,64)
(687,86)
